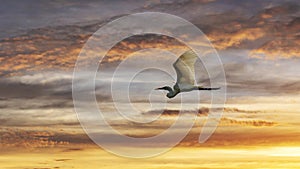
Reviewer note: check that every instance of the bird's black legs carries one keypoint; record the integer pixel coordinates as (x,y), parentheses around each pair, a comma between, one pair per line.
(206,88)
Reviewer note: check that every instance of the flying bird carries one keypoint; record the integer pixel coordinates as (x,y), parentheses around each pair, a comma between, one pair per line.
(185,70)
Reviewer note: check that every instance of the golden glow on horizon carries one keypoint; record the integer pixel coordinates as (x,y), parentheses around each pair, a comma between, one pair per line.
(190,158)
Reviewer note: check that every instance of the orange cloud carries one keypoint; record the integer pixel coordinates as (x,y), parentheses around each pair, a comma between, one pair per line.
(229,40)
(28,139)
(58,47)
(256,123)
(284,48)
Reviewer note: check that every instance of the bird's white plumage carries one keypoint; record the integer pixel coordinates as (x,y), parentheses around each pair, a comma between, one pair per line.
(185,68)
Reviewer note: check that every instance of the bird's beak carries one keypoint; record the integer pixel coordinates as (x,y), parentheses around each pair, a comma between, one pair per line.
(158,88)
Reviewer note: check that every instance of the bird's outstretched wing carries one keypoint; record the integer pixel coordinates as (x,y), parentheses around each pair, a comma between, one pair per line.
(185,68)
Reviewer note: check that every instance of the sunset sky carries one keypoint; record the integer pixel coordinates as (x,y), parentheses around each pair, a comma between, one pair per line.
(257,41)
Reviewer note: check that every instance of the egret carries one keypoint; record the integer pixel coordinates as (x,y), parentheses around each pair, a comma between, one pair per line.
(185,70)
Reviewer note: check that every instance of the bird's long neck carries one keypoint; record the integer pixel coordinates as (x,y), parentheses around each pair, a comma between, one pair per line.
(172,93)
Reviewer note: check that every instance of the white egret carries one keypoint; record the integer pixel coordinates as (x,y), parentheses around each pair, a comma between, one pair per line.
(185,70)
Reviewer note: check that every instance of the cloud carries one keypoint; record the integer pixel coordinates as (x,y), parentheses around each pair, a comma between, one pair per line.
(203,111)
(255,123)
(16,15)
(237,127)
(259,77)
(257,40)
(243,136)
(236,39)
(236,110)
(269,31)
(38,52)
(16,138)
